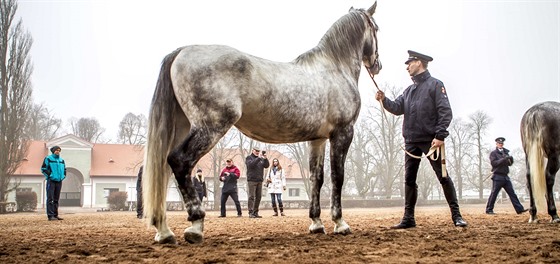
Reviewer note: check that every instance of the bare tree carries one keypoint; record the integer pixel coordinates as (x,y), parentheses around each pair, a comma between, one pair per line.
(388,140)
(479,122)
(300,153)
(41,124)
(15,82)
(88,129)
(360,163)
(132,129)
(460,149)
(426,180)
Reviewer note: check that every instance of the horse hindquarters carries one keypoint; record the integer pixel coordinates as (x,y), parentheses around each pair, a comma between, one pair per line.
(159,139)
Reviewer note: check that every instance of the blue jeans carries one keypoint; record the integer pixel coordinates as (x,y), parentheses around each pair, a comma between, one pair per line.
(274,197)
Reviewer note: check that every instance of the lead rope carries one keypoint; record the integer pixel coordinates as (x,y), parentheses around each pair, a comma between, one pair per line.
(432,154)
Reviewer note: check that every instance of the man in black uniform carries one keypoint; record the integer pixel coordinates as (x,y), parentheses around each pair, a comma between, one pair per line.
(500,161)
(427,115)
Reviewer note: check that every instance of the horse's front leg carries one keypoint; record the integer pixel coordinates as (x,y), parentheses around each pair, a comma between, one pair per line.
(551,168)
(316,161)
(340,143)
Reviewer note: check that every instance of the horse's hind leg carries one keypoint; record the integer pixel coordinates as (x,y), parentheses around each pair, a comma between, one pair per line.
(551,168)
(533,209)
(340,143)
(316,161)
(182,160)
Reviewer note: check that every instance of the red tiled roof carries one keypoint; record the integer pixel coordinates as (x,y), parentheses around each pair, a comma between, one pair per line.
(116,160)
(31,165)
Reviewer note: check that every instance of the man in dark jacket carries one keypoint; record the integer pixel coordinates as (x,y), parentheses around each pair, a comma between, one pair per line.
(500,161)
(229,176)
(54,169)
(256,163)
(427,114)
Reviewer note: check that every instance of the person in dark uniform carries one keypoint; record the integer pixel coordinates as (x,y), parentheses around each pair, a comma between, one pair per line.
(139,206)
(500,161)
(427,114)
(200,184)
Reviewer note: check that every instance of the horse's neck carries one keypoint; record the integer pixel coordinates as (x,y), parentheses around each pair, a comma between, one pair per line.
(337,51)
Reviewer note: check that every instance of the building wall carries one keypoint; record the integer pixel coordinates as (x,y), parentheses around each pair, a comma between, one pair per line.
(36,186)
(80,159)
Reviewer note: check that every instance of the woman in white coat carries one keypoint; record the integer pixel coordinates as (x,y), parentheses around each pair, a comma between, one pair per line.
(276,184)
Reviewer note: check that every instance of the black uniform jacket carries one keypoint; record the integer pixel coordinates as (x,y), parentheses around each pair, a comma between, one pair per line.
(500,162)
(426,109)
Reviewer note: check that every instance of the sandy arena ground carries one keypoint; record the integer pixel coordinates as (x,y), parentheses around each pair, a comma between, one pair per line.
(118,237)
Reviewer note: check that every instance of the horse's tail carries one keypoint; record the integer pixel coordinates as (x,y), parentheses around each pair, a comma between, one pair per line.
(161,133)
(532,145)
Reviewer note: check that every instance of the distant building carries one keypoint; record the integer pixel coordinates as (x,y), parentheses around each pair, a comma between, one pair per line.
(96,170)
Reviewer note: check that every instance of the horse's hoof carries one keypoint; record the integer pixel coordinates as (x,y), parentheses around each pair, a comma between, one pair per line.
(166,240)
(317,230)
(533,220)
(193,238)
(317,226)
(341,228)
(342,231)
(555,221)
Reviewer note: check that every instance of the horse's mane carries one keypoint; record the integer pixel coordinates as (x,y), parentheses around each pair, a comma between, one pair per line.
(333,46)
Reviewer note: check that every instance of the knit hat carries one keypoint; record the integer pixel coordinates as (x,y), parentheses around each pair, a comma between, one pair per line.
(53,149)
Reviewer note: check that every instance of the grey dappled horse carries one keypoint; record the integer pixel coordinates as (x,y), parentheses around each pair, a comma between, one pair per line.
(540,135)
(203,91)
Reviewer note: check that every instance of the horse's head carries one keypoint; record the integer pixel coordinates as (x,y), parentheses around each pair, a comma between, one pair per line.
(370,54)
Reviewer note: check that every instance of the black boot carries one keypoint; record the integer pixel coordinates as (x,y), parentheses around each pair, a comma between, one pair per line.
(451,197)
(275,210)
(410,197)
(281,209)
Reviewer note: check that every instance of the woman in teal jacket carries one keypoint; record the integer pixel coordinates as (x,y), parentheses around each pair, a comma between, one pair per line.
(54,170)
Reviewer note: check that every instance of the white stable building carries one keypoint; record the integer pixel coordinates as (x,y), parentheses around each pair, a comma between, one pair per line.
(96,170)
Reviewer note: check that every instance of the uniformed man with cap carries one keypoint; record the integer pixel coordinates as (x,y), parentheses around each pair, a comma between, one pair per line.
(427,115)
(500,161)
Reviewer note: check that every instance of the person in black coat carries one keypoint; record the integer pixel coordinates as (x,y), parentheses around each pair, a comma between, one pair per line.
(500,161)
(200,184)
(229,176)
(256,163)
(427,115)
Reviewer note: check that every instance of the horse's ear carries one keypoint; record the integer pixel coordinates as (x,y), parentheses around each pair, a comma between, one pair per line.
(371,10)
(351,9)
